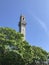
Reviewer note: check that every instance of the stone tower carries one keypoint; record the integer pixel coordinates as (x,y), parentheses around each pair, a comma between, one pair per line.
(22,26)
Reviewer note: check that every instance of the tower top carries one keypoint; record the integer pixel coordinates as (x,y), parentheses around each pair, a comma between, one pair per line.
(22,20)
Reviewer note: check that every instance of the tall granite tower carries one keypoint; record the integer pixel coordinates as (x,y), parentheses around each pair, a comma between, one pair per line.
(22,26)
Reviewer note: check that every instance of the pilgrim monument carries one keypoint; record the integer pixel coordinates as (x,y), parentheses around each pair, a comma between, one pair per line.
(22,26)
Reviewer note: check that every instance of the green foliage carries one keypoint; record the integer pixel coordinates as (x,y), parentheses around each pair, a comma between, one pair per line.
(15,51)
(40,55)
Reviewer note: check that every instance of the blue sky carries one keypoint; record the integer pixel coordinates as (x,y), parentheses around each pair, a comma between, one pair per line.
(36,13)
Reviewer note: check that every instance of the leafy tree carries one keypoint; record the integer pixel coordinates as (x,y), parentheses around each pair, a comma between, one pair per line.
(15,51)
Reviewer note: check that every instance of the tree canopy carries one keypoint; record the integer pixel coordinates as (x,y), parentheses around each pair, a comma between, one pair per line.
(15,51)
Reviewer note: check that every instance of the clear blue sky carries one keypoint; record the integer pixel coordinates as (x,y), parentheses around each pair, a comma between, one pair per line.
(36,13)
